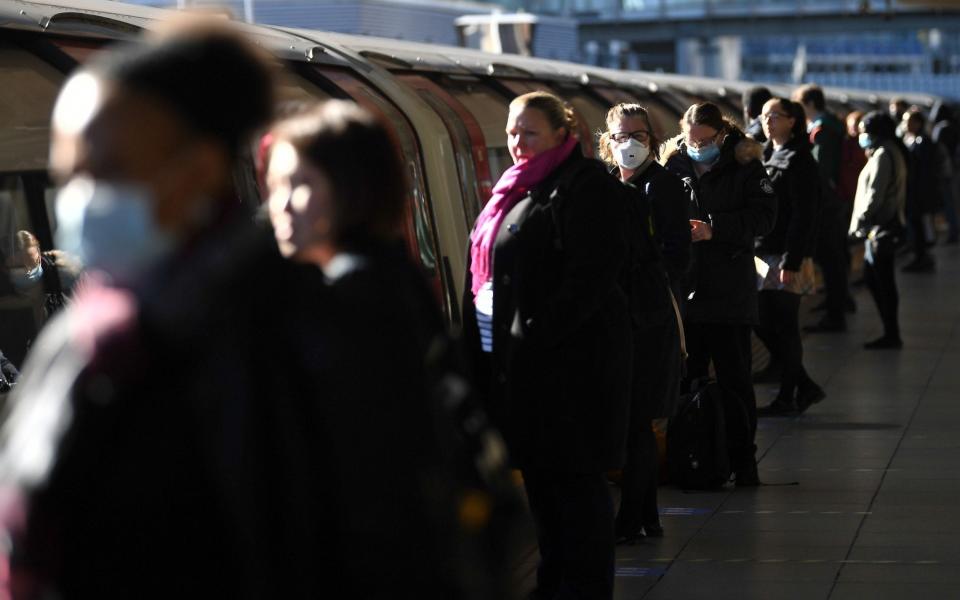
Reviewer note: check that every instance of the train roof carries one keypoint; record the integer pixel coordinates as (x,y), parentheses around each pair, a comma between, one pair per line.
(104,18)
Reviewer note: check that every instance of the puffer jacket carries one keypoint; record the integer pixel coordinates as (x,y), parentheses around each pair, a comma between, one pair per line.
(738,200)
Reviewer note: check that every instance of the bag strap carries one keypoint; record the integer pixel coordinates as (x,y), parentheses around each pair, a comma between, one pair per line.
(683,335)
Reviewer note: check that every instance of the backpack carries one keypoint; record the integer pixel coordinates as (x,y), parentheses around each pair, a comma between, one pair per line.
(697,456)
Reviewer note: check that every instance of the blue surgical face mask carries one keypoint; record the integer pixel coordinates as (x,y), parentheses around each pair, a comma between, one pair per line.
(109,227)
(865,141)
(705,155)
(27,278)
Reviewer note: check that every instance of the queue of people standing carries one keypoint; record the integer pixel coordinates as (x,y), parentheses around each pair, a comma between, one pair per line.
(276,404)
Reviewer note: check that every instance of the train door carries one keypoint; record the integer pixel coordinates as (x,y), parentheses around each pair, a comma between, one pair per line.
(473,166)
(30,86)
(420,229)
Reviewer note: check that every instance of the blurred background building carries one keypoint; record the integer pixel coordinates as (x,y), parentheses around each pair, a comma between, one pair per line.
(877,44)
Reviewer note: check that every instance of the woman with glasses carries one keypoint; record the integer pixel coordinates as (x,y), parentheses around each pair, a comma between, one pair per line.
(787,250)
(732,203)
(547,330)
(661,234)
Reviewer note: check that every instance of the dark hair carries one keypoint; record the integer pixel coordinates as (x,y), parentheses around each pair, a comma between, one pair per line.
(558,113)
(753,100)
(214,81)
(811,94)
(795,111)
(333,136)
(618,112)
(915,114)
(708,113)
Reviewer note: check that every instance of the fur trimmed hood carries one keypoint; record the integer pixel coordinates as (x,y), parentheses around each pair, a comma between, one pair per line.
(745,150)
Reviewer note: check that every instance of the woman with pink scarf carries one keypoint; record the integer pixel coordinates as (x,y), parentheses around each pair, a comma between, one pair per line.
(548,336)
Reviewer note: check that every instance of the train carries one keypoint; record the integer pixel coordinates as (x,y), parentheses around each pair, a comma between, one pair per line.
(446,108)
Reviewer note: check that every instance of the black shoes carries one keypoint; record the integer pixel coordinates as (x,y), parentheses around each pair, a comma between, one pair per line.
(921,264)
(827,325)
(807,394)
(884,343)
(653,530)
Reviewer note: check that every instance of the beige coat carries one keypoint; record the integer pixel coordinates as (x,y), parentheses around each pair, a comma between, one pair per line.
(881,189)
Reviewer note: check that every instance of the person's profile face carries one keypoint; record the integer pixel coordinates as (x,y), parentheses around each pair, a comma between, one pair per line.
(300,202)
(529,133)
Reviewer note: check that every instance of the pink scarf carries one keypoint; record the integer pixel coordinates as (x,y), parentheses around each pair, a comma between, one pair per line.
(513,185)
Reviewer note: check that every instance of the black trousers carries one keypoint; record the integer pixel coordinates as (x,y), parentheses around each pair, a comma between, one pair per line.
(834,264)
(656,388)
(573,514)
(728,347)
(779,330)
(638,489)
(881,280)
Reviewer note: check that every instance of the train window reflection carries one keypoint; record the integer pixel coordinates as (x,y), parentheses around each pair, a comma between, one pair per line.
(35,279)
(26,101)
(490,110)
(421,229)
(468,144)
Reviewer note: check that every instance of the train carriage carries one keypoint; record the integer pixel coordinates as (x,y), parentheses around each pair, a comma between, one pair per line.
(446,108)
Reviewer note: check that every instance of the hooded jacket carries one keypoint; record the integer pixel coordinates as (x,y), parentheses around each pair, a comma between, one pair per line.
(737,199)
(793,172)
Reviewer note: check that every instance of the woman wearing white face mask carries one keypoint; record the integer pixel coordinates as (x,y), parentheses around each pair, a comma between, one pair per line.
(660,233)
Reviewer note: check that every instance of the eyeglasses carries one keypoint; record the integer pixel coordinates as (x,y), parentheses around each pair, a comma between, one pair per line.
(773,116)
(641,135)
(702,143)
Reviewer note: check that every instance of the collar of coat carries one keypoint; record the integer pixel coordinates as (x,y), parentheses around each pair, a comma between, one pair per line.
(779,158)
(735,146)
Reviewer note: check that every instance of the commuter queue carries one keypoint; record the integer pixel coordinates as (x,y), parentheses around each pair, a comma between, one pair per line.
(273,407)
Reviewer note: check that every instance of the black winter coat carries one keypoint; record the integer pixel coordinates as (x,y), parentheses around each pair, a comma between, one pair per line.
(738,200)
(924,182)
(247,424)
(557,382)
(662,233)
(669,207)
(796,180)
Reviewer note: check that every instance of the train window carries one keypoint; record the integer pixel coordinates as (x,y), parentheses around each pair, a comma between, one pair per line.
(490,110)
(420,231)
(468,143)
(292,88)
(26,101)
(34,276)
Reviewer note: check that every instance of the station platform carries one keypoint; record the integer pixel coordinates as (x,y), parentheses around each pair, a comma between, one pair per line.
(875,512)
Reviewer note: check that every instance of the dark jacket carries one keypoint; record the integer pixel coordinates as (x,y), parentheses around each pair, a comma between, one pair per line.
(660,238)
(925,179)
(826,135)
(669,207)
(754,130)
(793,172)
(738,200)
(221,419)
(557,381)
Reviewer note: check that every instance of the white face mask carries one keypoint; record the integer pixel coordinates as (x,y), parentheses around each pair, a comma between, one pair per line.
(109,227)
(630,154)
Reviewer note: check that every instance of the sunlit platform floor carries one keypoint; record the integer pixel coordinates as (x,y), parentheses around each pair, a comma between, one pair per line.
(876,509)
